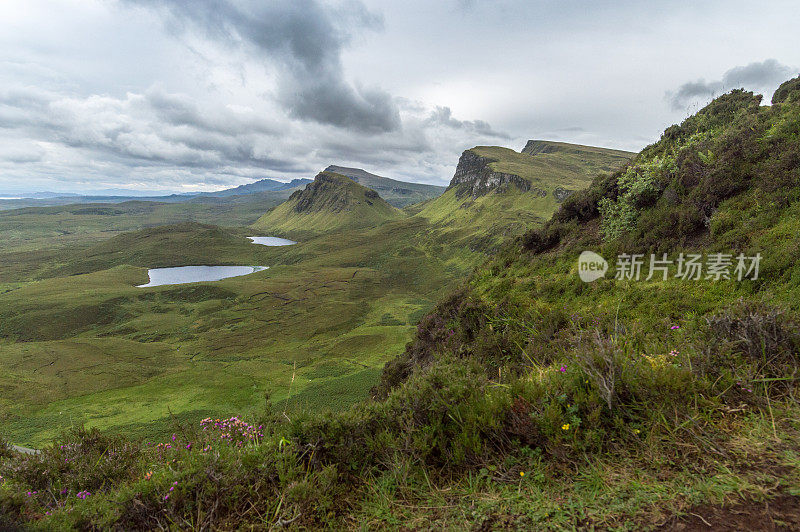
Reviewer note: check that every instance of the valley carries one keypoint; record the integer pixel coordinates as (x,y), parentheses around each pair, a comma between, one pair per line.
(83,344)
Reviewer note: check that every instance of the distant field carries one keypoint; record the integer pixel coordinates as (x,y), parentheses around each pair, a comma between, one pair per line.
(95,349)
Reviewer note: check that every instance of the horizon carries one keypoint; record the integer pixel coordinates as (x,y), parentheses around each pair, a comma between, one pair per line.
(145,193)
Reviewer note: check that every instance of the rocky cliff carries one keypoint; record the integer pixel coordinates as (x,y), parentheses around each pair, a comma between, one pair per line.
(475,177)
(332,192)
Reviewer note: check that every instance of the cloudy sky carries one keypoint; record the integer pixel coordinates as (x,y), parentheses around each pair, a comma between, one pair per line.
(184,95)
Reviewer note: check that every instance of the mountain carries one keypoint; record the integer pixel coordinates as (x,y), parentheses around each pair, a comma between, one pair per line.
(497,192)
(528,399)
(397,193)
(331,202)
(264,185)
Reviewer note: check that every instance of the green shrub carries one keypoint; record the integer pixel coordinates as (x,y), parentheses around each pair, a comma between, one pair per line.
(85,460)
(5,449)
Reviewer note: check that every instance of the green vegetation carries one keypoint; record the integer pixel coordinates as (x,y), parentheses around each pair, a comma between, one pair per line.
(484,221)
(527,399)
(331,203)
(36,238)
(322,320)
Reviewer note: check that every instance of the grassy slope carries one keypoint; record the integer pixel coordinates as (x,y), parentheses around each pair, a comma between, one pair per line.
(333,202)
(397,193)
(485,221)
(685,385)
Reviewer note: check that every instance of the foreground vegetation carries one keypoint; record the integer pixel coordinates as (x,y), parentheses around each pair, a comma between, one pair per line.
(527,399)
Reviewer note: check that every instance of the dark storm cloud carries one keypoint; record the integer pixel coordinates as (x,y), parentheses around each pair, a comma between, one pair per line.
(305,39)
(762,75)
(443,116)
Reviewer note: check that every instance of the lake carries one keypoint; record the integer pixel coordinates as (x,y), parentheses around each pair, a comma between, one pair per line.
(271,241)
(197,274)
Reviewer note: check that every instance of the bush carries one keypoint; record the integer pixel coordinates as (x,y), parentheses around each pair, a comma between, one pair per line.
(787,89)
(5,449)
(764,338)
(86,460)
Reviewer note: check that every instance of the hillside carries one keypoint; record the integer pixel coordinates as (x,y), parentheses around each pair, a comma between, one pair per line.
(670,377)
(397,193)
(497,192)
(332,202)
(528,399)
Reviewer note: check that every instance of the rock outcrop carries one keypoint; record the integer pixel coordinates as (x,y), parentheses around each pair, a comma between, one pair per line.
(475,177)
(331,192)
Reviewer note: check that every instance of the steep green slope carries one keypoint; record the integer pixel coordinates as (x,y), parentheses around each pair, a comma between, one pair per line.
(397,193)
(497,192)
(332,202)
(727,180)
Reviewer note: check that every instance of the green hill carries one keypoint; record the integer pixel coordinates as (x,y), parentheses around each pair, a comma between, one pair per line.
(397,193)
(656,379)
(497,192)
(528,399)
(332,202)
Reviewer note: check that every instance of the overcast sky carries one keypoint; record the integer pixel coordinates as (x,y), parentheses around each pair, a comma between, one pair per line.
(184,95)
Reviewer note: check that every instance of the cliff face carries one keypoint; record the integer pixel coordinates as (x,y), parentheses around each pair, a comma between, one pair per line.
(474,177)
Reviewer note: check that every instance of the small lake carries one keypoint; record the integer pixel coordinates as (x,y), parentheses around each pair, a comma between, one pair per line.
(197,274)
(271,241)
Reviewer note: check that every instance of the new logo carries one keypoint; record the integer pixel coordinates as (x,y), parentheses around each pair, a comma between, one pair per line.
(591,266)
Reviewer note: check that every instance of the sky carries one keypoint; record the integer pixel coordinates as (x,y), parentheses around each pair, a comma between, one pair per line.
(191,95)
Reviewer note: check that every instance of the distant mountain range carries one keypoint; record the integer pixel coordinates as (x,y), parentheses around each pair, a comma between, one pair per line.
(264,185)
(397,193)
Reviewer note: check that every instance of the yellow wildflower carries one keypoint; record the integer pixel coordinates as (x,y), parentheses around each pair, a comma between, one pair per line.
(565,426)
(522,473)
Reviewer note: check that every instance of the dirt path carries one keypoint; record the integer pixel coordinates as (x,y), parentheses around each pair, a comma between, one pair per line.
(779,513)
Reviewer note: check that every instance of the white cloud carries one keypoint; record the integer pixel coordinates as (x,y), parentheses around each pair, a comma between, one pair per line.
(98,94)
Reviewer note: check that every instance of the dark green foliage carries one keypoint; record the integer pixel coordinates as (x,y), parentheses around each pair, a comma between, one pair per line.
(436,332)
(84,460)
(5,449)
(787,91)
(669,193)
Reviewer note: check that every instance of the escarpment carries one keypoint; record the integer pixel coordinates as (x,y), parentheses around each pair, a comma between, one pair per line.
(475,177)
